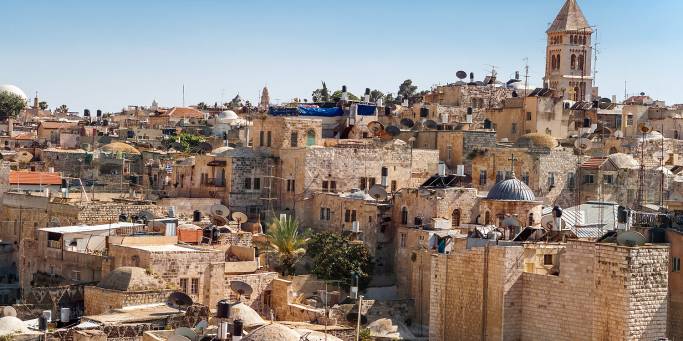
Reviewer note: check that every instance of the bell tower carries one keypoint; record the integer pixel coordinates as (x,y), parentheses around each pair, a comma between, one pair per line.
(569,51)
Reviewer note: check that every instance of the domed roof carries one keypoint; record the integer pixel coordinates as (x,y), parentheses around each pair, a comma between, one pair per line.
(129,278)
(227,115)
(13,90)
(222,150)
(536,140)
(116,147)
(313,335)
(11,324)
(273,331)
(511,189)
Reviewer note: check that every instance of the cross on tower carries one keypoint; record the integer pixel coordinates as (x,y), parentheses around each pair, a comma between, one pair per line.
(512,160)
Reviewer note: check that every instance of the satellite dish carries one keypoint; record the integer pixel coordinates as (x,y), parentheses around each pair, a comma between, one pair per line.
(178,300)
(645,127)
(8,311)
(393,131)
(618,134)
(408,123)
(23,157)
(461,74)
(186,332)
(219,220)
(583,144)
(219,210)
(146,215)
(630,239)
(239,217)
(241,288)
(178,338)
(378,192)
(375,128)
(430,124)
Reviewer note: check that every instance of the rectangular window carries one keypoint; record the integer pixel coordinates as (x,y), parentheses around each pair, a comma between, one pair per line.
(551,179)
(450,150)
(326,186)
(257,183)
(328,213)
(371,182)
(394,185)
(195,286)
(609,179)
(588,179)
(385,171)
(500,176)
(363,183)
(347,216)
(353,215)
(247,183)
(675,264)
(482,177)
(525,178)
(333,186)
(528,116)
(262,138)
(547,259)
(183,285)
(290,185)
(76,275)
(571,182)
(403,240)
(322,213)
(294,139)
(514,128)
(270,139)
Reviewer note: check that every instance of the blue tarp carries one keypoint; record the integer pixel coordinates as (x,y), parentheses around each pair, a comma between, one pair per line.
(325,112)
(283,111)
(366,110)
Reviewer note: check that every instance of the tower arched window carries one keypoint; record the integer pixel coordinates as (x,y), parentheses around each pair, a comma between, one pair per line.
(573,62)
(552,62)
(558,62)
(581,61)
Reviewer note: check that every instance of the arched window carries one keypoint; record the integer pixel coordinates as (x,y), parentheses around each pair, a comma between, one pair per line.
(487,218)
(676,136)
(573,62)
(552,62)
(582,59)
(310,138)
(404,216)
(455,218)
(558,62)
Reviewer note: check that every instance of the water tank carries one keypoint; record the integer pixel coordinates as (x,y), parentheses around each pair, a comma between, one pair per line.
(196,216)
(223,309)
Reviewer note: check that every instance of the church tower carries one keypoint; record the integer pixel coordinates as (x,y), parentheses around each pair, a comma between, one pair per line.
(569,52)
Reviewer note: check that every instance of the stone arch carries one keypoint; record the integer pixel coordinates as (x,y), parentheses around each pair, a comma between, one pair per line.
(455,217)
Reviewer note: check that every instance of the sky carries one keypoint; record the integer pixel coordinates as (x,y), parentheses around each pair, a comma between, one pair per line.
(110,54)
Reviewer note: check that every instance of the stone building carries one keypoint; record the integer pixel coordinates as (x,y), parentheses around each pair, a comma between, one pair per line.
(539,112)
(276,133)
(449,103)
(69,162)
(511,205)
(602,292)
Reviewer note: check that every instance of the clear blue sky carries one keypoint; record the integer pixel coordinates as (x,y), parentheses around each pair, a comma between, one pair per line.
(97,54)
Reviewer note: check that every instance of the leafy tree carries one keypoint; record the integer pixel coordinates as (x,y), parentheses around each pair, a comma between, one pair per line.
(286,242)
(10,105)
(322,94)
(389,99)
(336,96)
(202,106)
(236,102)
(407,89)
(42,105)
(375,95)
(62,109)
(190,142)
(335,257)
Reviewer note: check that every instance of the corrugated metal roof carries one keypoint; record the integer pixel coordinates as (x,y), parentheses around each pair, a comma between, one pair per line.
(88,228)
(34,178)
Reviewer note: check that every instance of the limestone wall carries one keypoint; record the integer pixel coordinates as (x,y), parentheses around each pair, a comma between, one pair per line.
(99,300)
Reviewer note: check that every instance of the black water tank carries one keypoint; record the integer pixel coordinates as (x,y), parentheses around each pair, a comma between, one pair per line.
(196,216)
(237,327)
(622,215)
(557,211)
(223,309)
(123,217)
(42,323)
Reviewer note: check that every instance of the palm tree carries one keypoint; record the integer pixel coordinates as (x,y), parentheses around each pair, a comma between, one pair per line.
(62,109)
(285,240)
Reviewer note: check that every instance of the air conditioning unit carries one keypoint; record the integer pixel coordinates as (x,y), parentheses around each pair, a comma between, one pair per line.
(355,227)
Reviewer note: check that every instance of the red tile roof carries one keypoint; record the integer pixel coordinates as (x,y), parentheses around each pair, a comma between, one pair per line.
(58,125)
(593,163)
(34,178)
(181,112)
(24,136)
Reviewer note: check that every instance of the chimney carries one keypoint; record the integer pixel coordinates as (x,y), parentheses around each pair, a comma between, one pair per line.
(237,327)
(517,75)
(471,76)
(366,97)
(345,95)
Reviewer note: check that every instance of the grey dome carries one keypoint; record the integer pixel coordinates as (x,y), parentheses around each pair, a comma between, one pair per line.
(511,189)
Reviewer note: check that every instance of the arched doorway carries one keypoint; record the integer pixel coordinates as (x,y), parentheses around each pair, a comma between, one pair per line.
(455,218)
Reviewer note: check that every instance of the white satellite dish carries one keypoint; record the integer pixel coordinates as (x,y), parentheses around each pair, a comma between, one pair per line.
(239,217)
(630,239)
(8,311)
(583,144)
(618,134)
(219,210)
(378,192)
(645,127)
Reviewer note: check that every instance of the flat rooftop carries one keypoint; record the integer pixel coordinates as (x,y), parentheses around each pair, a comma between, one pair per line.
(168,248)
(89,228)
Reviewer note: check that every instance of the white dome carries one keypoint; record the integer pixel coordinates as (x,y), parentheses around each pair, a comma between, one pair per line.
(227,115)
(10,325)
(13,90)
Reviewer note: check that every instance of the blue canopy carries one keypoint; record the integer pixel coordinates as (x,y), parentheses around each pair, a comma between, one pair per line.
(366,110)
(325,112)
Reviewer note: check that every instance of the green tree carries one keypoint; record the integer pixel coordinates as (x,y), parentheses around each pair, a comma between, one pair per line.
(190,142)
(407,89)
(286,242)
(62,109)
(42,105)
(10,105)
(335,257)
(375,95)
(336,96)
(236,102)
(322,94)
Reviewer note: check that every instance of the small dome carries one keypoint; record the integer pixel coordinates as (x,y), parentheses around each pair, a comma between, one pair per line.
(227,115)
(273,331)
(536,140)
(312,335)
(129,278)
(116,147)
(11,324)
(221,150)
(622,160)
(14,90)
(511,189)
